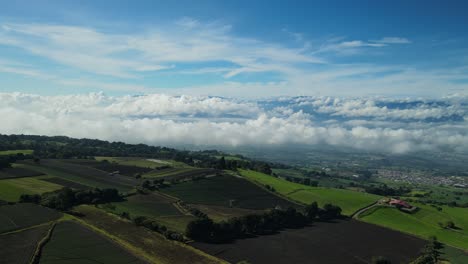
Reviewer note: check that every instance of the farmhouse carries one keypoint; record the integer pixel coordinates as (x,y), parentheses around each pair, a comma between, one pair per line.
(399,203)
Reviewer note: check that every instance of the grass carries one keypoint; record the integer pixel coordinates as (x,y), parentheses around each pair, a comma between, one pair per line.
(19,216)
(349,201)
(74,243)
(424,223)
(220,213)
(17,151)
(454,255)
(220,190)
(176,223)
(143,242)
(12,189)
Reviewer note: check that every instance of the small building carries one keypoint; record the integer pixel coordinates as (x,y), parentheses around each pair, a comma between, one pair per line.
(399,203)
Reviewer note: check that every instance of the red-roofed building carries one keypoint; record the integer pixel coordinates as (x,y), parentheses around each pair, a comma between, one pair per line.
(399,203)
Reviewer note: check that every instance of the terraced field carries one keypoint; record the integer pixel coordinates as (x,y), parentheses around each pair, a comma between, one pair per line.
(143,242)
(220,190)
(24,242)
(74,243)
(12,189)
(425,223)
(19,216)
(349,201)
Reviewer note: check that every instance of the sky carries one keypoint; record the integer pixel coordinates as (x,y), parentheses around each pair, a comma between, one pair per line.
(249,49)
(386,76)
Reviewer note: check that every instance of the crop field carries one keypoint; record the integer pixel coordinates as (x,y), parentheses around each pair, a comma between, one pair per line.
(220,213)
(143,162)
(349,201)
(12,189)
(180,173)
(67,183)
(176,223)
(16,151)
(146,243)
(18,172)
(454,255)
(74,243)
(85,175)
(151,205)
(19,216)
(220,190)
(341,242)
(19,247)
(127,170)
(424,223)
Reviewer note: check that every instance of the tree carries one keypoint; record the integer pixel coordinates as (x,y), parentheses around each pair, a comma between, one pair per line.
(200,229)
(380,260)
(311,210)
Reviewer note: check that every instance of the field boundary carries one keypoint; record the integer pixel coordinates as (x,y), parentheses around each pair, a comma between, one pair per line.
(36,257)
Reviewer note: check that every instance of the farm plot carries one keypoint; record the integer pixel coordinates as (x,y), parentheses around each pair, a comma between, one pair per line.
(19,216)
(349,201)
(180,173)
(220,190)
(111,167)
(16,151)
(12,189)
(86,175)
(19,247)
(425,223)
(151,205)
(67,183)
(18,172)
(74,243)
(341,242)
(143,242)
(142,162)
(220,213)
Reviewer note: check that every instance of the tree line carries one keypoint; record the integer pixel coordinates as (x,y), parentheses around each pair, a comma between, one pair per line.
(65,198)
(61,147)
(205,229)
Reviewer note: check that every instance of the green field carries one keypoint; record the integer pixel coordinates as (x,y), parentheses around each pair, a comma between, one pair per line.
(19,247)
(143,162)
(349,201)
(19,216)
(151,205)
(12,189)
(17,151)
(144,242)
(74,243)
(220,190)
(424,223)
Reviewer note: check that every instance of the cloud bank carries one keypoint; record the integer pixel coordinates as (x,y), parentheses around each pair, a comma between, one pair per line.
(371,124)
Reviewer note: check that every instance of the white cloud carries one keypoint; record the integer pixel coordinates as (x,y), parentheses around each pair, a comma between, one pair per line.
(171,120)
(394,40)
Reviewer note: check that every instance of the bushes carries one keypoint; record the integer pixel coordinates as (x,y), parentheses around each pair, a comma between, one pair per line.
(66,198)
(155,226)
(205,230)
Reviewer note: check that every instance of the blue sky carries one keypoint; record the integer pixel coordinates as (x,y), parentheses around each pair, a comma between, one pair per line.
(235,48)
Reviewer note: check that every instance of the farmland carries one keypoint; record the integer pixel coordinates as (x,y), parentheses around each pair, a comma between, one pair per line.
(341,242)
(150,245)
(74,243)
(151,205)
(24,242)
(84,174)
(127,170)
(12,189)
(19,216)
(18,172)
(220,190)
(425,223)
(17,151)
(180,173)
(142,162)
(349,201)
